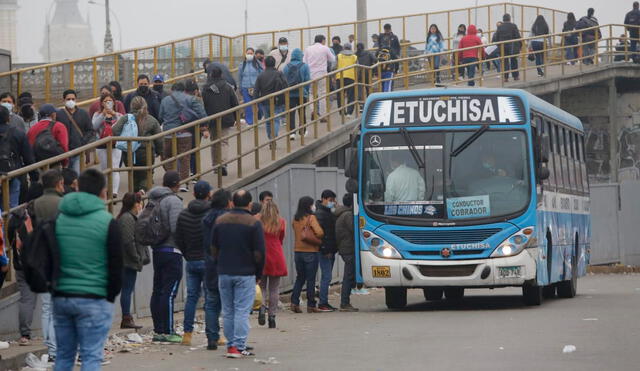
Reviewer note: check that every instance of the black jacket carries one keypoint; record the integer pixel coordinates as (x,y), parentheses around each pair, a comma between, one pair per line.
(152,98)
(211,265)
(20,147)
(587,22)
(218,95)
(270,81)
(344,230)
(327,220)
(633,18)
(505,32)
(226,74)
(189,230)
(84,123)
(390,42)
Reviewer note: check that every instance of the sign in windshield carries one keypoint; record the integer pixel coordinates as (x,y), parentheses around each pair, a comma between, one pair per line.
(446,110)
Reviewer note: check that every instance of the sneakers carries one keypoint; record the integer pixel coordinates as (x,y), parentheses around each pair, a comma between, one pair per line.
(312,310)
(184,188)
(272,321)
(186,338)
(292,137)
(233,352)
(104,361)
(348,308)
(325,308)
(296,308)
(159,338)
(361,291)
(212,345)
(24,341)
(261,315)
(173,338)
(247,353)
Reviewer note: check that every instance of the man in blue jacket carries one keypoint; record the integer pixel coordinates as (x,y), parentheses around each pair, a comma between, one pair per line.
(238,246)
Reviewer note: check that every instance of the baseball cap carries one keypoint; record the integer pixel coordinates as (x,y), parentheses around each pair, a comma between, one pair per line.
(283,40)
(158,77)
(201,189)
(47,109)
(171,179)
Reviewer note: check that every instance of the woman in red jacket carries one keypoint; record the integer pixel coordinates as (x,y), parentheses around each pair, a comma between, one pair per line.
(275,265)
(470,57)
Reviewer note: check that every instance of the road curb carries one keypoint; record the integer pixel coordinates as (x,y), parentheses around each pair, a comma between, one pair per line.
(612,269)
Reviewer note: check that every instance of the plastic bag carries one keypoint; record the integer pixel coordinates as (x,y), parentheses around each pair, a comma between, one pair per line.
(35,363)
(257,302)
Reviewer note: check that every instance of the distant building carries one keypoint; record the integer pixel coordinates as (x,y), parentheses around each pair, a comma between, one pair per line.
(8,10)
(67,35)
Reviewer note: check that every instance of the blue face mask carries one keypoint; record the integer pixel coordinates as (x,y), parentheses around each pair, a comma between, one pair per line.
(331,205)
(283,48)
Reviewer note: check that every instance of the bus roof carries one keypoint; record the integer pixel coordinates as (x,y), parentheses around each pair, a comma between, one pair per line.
(530,100)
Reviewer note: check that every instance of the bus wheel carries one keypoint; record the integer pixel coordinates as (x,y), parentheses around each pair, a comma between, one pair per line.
(532,295)
(432,293)
(454,293)
(549,292)
(395,297)
(567,289)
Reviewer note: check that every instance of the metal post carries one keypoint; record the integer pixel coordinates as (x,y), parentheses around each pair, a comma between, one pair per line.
(108,40)
(218,150)
(72,79)
(256,139)
(95,77)
(173,59)
(239,143)
(272,128)
(130,162)
(199,152)
(361,15)
(155,60)
(149,163)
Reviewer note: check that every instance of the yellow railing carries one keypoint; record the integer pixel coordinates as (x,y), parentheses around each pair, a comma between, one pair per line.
(177,58)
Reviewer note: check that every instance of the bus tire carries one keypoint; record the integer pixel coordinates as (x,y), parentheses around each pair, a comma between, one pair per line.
(549,292)
(395,297)
(567,289)
(532,295)
(454,293)
(433,293)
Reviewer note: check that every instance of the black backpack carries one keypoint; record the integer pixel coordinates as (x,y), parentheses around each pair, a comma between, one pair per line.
(293,74)
(150,228)
(46,145)
(8,158)
(40,257)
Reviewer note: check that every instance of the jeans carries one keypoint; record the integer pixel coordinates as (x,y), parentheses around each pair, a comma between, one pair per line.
(237,294)
(14,193)
(510,64)
(306,270)
(26,305)
(195,281)
(387,85)
(128,285)
(538,46)
(350,91)
(294,102)
(571,52)
(435,65)
(48,331)
(348,278)
(270,286)
(167,272)
(74,163)
(212,305)
(81,324)
(633,49)
(116,155)
(248,111)
(326,271)
(266,111)
(471,69)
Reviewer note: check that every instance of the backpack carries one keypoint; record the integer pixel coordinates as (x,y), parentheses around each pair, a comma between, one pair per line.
(106,130)
(293,74)
(186,114)
(40,257)
(150,228)
(8,158)
(46,145)
(130,129)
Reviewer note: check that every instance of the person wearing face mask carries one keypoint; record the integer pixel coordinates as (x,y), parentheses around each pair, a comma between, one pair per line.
(97,105)
(135,255)
(103,122)
(282,54)
(8,101)
(116,91)
(158,86)
(260,57)
(149,95)
(26,110)
(247,75)
(325,208)
(78,124)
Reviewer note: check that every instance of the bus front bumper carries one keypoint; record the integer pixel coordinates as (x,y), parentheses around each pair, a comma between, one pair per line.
(490,272)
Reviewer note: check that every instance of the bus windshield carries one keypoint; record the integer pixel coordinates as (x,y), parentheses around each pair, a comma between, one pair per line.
(446,175)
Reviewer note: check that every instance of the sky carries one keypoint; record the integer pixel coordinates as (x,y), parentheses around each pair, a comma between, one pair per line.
(146,22)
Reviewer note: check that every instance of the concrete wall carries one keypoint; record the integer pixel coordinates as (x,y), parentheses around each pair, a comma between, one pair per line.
(5,65)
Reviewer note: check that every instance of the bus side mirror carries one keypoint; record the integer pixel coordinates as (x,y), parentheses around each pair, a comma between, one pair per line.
(545,146)
(351,163)
(543,173)
(351,186)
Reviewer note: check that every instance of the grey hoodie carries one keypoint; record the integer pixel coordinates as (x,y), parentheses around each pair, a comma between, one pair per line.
(170,208)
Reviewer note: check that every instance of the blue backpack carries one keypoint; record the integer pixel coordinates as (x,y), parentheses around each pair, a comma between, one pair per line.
(130,129)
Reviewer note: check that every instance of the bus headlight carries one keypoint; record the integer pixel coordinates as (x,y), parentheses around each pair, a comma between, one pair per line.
(514,244)
(379,247)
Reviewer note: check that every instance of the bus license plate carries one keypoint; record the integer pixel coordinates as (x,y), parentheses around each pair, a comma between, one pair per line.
(510,272)
(381,271)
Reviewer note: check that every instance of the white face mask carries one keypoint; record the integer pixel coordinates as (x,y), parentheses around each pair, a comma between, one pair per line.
(313,208)
(8,106)
(70,104)
(109,104)
(249,57)
(284,48)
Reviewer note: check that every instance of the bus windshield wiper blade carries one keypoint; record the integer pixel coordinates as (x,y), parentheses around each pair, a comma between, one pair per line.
(412,148)
(469,140)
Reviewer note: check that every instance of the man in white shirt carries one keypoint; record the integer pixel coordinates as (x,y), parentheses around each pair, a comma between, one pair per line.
(319,58)
(403,183)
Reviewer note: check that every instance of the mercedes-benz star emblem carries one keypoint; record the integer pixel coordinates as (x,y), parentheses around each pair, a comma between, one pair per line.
(375,140)
(445,252)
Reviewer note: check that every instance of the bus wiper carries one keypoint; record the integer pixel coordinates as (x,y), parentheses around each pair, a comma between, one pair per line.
(412,148)
(469,140)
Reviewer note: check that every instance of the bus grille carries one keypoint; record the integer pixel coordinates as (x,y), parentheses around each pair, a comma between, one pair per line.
(453,253)
(427,237)
(447,270)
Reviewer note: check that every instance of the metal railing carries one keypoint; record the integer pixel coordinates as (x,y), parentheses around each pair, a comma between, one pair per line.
(177,58)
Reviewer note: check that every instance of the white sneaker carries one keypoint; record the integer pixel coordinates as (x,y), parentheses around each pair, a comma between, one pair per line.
(243,121)
(184,189)
(292,137)
(306,133)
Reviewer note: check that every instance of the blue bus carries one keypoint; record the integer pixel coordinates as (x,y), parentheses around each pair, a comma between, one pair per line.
(469,188)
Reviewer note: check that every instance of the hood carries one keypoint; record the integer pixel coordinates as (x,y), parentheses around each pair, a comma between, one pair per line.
(297,55)
(346,52)
(341,210)
(157,192)
(471,30)
(216,84)
(199,206)
(80,203)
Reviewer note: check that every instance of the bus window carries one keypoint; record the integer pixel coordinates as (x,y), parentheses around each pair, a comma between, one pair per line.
(558,157)
(566,170)
(583,166)
(550,165)
(576,161)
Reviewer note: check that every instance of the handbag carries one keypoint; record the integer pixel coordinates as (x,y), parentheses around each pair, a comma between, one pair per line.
(86,138)
(186,114)
(308,235)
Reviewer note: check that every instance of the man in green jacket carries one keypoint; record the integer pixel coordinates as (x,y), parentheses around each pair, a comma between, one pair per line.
(89,273)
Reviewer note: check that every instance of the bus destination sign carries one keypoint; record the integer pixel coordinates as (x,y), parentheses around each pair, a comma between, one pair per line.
(446,110)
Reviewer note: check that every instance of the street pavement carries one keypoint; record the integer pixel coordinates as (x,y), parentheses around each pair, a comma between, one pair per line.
(487,330)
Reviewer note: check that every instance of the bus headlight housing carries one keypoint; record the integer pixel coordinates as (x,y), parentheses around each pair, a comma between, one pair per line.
(514,244)
(379,247)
